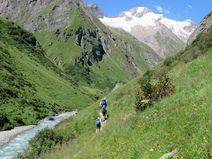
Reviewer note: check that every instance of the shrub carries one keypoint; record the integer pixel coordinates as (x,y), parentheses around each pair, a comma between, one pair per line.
(140,103)
(79,73)
(168,61)
(44,141)
(150,93)
(4,122)
(146,86)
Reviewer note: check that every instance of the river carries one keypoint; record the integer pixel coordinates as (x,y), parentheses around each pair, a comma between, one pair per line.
(20,143)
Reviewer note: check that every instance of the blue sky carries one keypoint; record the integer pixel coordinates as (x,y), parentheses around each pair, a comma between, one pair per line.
(174,9)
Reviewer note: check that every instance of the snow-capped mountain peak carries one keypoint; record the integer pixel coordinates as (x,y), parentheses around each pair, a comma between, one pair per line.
(144,17)
(135,12)
(138,11)
(139,16)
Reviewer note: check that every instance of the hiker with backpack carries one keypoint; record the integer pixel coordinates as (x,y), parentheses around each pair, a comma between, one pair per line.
(103,111)
(98,124)
(103,102)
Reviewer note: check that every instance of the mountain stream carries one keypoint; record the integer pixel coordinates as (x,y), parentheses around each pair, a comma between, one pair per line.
(20,143)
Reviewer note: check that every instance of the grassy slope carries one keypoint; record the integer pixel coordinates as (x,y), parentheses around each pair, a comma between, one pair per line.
(30,86)
(66,51)
(180,121)
(112,64)
(115,63)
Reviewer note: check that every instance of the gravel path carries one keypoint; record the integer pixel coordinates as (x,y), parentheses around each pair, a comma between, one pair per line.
(6,136)
(118,85)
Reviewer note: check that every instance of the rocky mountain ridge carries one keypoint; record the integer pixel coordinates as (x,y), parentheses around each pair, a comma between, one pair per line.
(38,15)
(95,10)
(202,27)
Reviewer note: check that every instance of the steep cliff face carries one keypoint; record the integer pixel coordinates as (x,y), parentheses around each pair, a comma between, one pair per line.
(78,43)
(204,25)
(38,15)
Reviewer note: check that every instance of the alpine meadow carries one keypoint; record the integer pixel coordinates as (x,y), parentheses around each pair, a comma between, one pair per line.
(139,84)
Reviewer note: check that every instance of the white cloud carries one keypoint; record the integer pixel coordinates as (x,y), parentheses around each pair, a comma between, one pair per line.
(190,6)
(167,11)
(161,10)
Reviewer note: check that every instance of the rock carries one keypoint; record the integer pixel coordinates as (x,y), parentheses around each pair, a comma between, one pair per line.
(51,118)
(95,10)
(79,35)
(56,17)
(169,154)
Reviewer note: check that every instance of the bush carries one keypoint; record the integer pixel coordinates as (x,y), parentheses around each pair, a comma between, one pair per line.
(150,93)
(140,103)
(44,141)
(168,61)
(4,122)
(79,73)
(146,86)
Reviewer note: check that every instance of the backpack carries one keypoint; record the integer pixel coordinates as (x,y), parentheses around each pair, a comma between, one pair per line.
(98,122)
(104,102)
(103,110)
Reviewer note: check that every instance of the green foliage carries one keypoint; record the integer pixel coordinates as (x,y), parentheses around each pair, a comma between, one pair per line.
(140,103)
(150,93)
(14,34)
(43,142)
(146,86)
(79,73)
(17,90)
(204,41)
(13,86)
(4,122)
(170,60)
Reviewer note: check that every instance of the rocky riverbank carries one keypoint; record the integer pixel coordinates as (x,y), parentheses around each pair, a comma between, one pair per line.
(6,136)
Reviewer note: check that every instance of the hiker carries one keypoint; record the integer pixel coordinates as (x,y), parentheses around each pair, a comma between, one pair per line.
(103,113)
(98,125)
(103,102)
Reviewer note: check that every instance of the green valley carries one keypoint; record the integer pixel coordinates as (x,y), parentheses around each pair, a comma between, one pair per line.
(31,86)
(180,121)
